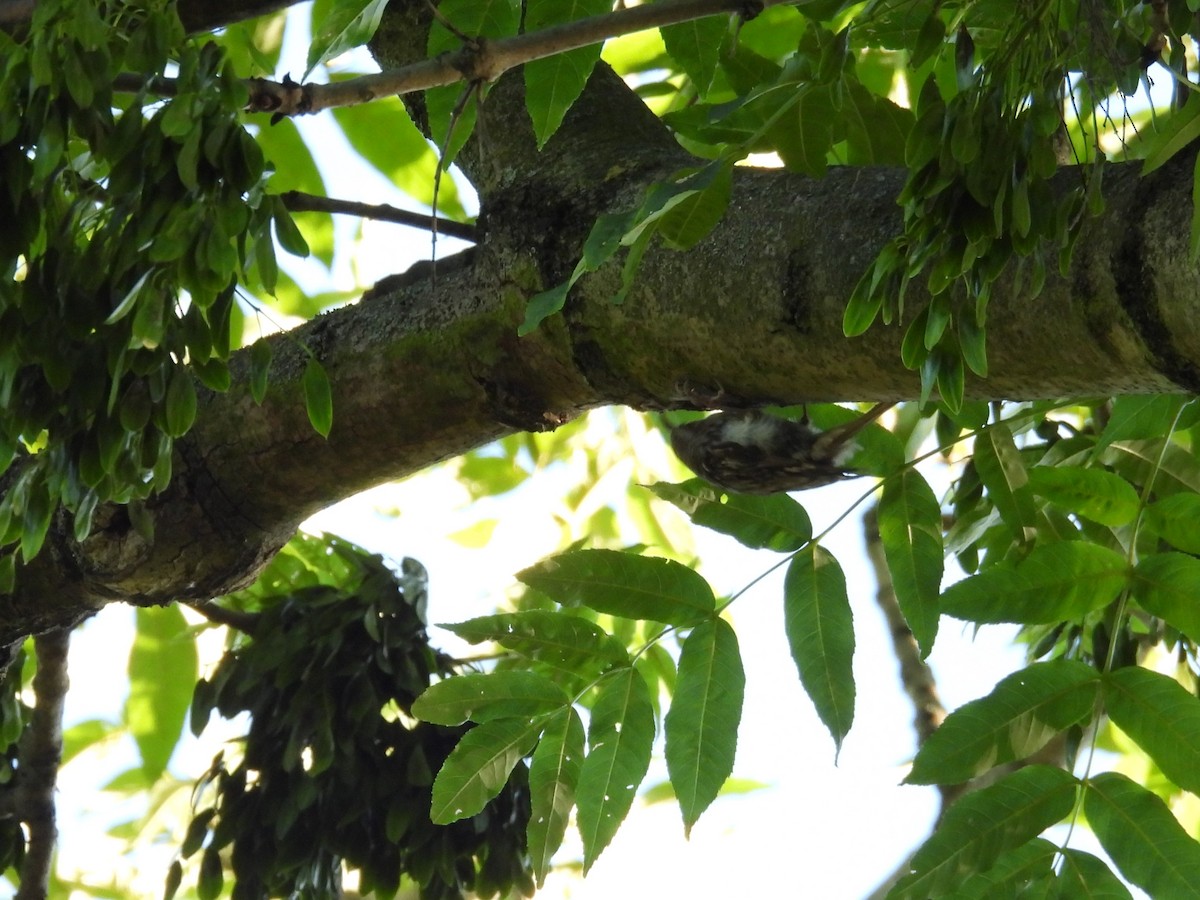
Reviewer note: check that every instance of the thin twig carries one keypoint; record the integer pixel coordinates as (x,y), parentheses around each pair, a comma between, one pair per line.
(297,201)
(222,615)
(40,755)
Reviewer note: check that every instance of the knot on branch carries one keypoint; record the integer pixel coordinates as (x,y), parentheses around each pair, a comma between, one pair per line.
(476,61)
(282,98)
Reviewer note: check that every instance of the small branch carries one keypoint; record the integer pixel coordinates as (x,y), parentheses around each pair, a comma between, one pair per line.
(478,61)
(223,615)
(40,755)
(915,676)
(301,202)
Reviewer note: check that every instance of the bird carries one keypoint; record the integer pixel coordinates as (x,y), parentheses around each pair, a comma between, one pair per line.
(749,451)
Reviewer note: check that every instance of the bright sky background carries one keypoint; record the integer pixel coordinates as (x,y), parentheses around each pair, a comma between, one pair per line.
(815,830)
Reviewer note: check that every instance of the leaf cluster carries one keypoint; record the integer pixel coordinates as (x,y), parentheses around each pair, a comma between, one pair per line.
(333,770)
(130,222)
(1077,533)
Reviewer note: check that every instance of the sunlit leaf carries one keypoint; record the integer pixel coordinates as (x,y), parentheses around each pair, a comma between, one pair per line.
(163,668)
(560,640)
(1092,493)
(820,632)
(702,724)
(1003,474)
(553,776)
(772,521)
(482,697)
(478,767)
(620,737)
(624,584)
(348,24)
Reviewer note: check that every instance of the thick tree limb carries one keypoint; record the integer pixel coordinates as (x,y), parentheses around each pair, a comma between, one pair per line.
(41,753)
(423,372)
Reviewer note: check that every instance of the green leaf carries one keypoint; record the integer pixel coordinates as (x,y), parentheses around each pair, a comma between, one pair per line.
(702,723)
(1194,238)
(1147,416)
(981,826)
(1174,520)
(803,134)
(690,220)
(286,232)
(1161,717)
(560,640)
(695,45)
(174,880)
(876,128)
(554,83)
(1180,130)
(1167,585)
(620,738)
(1019,717)
(260,366)
(346,25)
(1056,582)
(163,667)
(1083,875)
(1014,873)
(318,397)
(179,409)
(212,876)
(1092,493)
(478,767)
(476,19)
(483,697)
(130,299)
(820,632)
(1003,474)
(773,521)
(910,527)
(553,776)
(1141,835)
(624,584)
(545,304)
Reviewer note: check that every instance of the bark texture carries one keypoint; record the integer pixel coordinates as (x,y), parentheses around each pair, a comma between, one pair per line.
(424,370)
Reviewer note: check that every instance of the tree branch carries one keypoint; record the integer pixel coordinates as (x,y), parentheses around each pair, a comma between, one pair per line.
(223,615)
(40,755)
(297,201)
(479,60)
(915,675)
